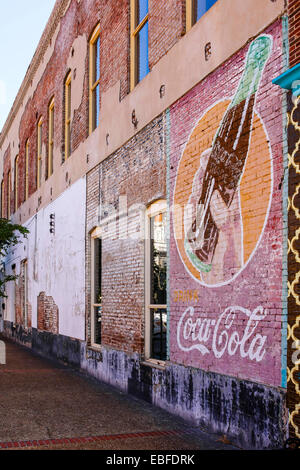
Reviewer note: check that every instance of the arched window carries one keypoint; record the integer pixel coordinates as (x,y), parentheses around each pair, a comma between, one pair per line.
(96,286)
(16,183)
(94,73)
(156,281)
(39,151)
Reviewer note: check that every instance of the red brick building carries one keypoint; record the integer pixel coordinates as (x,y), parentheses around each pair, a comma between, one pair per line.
(146,153)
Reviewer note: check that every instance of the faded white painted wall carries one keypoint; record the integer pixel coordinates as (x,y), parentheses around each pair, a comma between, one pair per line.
(56,263)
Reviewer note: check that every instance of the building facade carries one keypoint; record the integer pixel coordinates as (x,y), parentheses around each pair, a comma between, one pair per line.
(153,160)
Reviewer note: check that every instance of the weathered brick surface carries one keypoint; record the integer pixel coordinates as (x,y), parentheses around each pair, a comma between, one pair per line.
(294,31)
(136,171)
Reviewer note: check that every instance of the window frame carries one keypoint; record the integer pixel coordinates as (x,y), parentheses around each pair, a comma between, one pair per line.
(135,28)
(95,235)
(27,148)
(156,208)
(2,199)
(39,152)
(50,137)
(68,111)
(16,188)
(24,271)
(93,82)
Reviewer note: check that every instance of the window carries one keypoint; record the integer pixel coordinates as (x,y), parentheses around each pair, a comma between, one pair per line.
(68,116)
(26,169)
(139,41)
(16,183)
(195,9)
(39,151)
(24,277)
(96,287)
(156,282)
(2,199)
(8,195)
(50,137)
(94,103)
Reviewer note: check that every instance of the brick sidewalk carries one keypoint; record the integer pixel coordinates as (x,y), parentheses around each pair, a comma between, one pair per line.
(47,406)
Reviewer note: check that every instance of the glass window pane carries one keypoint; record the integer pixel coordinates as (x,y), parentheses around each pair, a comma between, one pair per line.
(97,290)
(97,60)
(158,260)
(142,10)
(142,52)
(159,334)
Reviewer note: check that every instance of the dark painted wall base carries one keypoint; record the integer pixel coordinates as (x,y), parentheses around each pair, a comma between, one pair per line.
(58,347)
(251,415)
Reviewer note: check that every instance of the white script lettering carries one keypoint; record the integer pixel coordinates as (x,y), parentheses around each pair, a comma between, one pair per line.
(196,333)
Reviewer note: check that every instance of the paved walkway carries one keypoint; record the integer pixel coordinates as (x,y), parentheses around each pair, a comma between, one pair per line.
(47,406)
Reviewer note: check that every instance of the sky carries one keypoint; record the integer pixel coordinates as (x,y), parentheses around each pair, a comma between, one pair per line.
(22,23)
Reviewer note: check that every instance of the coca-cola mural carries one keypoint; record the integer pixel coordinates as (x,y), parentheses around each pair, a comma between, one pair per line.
(226,220)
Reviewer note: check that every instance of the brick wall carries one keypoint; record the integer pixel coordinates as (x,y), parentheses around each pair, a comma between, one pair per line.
(166,25)
(137,172)
(294,31)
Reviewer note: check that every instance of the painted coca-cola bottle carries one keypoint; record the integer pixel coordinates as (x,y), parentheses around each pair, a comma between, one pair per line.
(228,156)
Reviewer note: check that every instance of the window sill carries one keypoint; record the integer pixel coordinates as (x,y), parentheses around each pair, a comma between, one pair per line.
(157,364)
